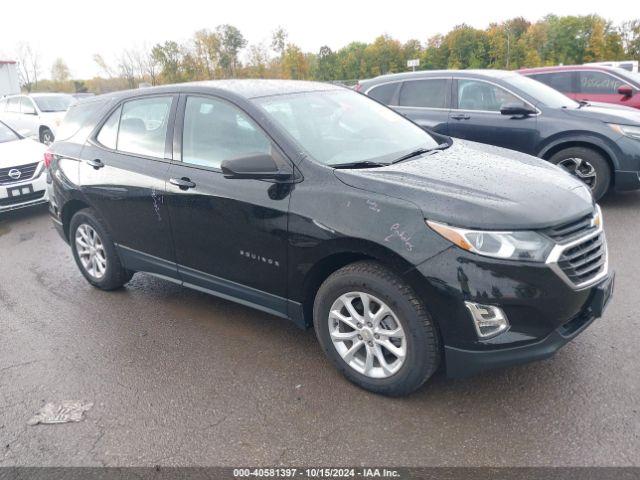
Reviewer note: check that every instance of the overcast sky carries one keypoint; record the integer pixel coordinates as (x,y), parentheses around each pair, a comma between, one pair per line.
(75,30)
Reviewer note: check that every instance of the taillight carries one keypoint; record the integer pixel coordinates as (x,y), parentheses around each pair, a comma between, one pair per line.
(48,158)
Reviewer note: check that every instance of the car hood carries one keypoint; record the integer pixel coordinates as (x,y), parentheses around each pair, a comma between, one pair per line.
(480,186)
(607,114)
(21,152)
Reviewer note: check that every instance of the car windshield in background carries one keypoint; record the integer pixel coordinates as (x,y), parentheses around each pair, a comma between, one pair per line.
(54,103)
(542,93)
(6,134)
(627,75)
(344,127)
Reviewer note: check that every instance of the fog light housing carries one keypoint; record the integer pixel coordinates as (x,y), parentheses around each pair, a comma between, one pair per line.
(488,320)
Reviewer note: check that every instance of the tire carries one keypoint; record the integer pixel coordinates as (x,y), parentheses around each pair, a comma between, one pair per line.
(588,160)
(420,338)
(112,275)
(46,136)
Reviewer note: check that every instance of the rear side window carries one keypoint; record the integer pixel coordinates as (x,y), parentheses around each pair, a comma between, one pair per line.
(143,126)
(13,105)
(598,83)
(561,81)
(108,135)
(384,93)
(215,130)
(424,93)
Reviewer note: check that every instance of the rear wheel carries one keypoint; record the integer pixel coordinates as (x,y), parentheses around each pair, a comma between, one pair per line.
(587,165)
(375,330)
(94,252)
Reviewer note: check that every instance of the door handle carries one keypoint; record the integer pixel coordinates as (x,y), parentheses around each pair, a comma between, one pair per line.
(96,163)
(183,183)
(461,116)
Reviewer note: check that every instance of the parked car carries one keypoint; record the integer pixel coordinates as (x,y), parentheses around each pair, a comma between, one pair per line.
(600,146)
(22,183)
(405,250)
(37,115)
(591,83)
(628,65)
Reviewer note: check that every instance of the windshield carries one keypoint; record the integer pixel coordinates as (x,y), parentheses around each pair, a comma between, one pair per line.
(627,75)
(543,94)
(341,126)
(54,103)
(6,134)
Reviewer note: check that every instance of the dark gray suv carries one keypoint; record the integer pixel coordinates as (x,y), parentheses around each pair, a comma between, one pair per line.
(599,145)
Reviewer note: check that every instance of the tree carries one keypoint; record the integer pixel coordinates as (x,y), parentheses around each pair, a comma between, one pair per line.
(59,71)
(295,64)
(169,56)
(207,52)
(231,42)
(279,41)
(325,65)
(28,66)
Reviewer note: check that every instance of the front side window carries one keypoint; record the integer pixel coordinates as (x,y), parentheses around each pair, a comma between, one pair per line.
(54,103)
(143,126)
(215,130)
(598,83)
(384,93)
(475,95)
(341,126)
(13,105)
(26,106)
(561,81)
(424,93)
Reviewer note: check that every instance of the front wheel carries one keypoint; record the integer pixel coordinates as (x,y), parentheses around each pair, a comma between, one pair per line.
(46,136)
(588,166)
(375,330)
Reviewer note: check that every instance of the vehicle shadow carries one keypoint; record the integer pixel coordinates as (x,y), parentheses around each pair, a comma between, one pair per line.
(622,200)
(7,219)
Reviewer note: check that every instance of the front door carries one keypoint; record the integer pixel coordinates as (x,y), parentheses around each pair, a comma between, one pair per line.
(476,116)
(123,173)
(230,235)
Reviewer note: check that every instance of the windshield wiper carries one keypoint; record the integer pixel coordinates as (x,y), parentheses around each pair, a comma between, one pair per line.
(362,164)
(421,151)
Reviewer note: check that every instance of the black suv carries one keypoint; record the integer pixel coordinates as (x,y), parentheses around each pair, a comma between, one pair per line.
(598,144)
(405,250)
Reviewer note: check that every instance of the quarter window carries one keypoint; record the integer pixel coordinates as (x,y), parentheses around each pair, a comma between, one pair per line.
(424,93)
(143,126)
(215,130)
(474,95)
(598,83)
(384,93)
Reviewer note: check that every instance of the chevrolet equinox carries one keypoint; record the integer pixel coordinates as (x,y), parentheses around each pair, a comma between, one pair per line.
(405,250)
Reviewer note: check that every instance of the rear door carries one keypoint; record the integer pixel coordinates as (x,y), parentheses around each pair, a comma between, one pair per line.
(230,235)
(123,173)
(476,116)
(564,82)
(427,102)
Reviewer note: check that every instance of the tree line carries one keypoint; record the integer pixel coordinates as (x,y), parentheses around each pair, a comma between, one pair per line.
(224,52)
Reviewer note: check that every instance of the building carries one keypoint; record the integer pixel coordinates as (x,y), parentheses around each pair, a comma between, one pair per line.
(9,83)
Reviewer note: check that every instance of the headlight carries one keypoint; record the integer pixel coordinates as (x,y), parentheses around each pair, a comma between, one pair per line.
(518,245)
(627,130)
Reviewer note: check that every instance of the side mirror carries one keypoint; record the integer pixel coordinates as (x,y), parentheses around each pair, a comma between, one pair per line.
(259,167)
(516,109)
(625,90)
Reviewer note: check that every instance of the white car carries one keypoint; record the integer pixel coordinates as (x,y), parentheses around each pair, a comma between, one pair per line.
(22,179)
(37,115)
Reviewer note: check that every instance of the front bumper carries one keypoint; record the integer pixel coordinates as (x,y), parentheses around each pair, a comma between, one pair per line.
(24,193)
(544,312)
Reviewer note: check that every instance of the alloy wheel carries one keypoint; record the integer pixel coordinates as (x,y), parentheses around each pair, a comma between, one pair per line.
(367,335)
(581,169)
(91,251)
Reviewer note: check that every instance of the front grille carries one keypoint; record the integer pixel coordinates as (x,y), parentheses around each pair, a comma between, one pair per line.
(21,198)
(26,173)
(572,230)
(586,260)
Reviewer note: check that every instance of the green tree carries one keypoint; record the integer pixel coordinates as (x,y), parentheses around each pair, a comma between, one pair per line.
(231,42)
(169,56)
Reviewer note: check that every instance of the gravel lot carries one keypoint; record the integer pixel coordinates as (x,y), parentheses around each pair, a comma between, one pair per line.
(178,377)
